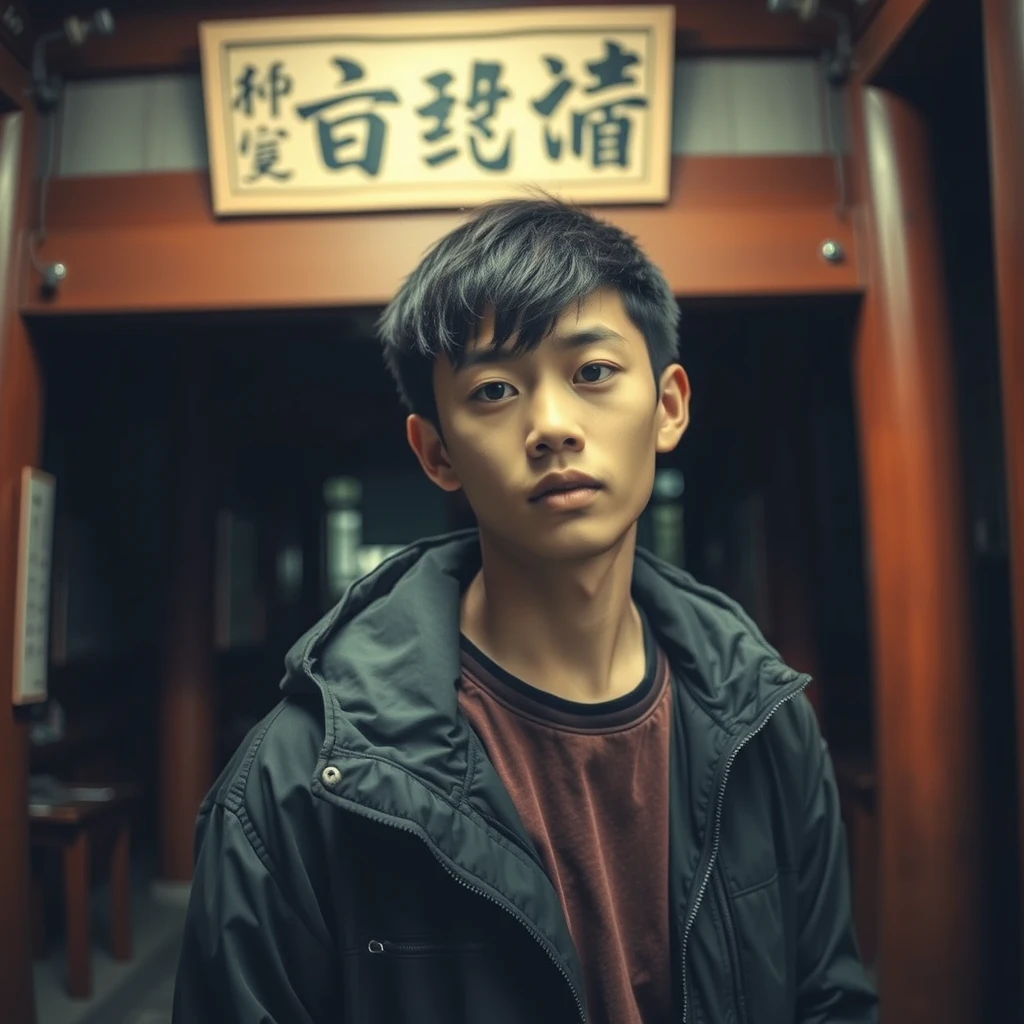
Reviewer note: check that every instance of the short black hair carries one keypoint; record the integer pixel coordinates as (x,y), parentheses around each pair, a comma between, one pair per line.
(525,259)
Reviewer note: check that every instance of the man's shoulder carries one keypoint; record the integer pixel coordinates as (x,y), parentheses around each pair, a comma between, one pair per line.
(795,748)
(261,820)
(274,763)
(796,728)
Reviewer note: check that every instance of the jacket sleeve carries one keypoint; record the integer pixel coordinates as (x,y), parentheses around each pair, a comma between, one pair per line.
(247,955)
(832,987)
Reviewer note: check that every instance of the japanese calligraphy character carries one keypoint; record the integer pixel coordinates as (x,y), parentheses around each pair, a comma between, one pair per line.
(440,110)
(265,149)
(547,105)
(274,87)
(602,130)
(609,71)
(331,145)
(608,132)
(485,95)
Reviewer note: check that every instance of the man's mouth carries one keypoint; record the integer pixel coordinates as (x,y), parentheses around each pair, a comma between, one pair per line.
(568,489)
(563,483)
(566,496)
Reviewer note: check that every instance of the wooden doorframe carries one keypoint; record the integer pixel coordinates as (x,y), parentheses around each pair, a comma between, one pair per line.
(21,400)
(925,694)
(926,697)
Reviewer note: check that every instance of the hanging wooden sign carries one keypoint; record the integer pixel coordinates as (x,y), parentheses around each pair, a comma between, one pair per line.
(450,109)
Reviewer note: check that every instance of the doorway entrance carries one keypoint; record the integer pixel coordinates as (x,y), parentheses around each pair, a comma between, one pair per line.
(309,483)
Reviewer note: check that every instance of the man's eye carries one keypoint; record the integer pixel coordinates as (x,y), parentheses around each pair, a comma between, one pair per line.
(495,391)
(595,373)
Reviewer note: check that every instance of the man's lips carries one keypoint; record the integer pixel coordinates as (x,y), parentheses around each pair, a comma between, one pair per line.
(563,483)
(567,500)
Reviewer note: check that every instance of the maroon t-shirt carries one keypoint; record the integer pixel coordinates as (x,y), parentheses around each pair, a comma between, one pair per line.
(591,784)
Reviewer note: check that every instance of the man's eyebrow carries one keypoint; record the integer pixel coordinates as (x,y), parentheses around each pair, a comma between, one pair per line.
(573,339)
(587,336)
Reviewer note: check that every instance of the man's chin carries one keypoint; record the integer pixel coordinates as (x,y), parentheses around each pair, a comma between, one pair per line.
(573,539)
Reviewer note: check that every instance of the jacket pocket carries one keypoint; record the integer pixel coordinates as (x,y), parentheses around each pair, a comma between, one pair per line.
(732,947)
(444,979)
(425,947)
(762,922)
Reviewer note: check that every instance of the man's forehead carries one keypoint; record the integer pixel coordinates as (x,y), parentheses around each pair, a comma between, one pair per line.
(587,309)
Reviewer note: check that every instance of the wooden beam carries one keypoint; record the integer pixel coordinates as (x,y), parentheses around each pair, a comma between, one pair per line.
(166,38)
(891,23)
(1004,66)
(20,425)
(734,226)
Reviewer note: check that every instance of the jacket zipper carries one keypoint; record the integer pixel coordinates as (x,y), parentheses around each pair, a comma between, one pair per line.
(480,892)
(718,834)
(526,924)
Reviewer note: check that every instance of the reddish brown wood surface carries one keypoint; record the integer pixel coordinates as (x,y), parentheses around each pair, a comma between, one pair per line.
(890,24)
(20,413)
(77,916)
(158,39)
(734,226)
(1004,61)
(925,692)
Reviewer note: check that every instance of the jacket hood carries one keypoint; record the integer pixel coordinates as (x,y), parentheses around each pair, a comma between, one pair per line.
(386,658)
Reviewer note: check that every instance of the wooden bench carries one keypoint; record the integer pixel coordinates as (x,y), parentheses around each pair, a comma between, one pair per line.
(70,823)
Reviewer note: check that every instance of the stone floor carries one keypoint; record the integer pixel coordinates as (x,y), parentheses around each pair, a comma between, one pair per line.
(137,992)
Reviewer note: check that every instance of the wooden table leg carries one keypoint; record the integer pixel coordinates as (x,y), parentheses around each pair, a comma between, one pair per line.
(76,901)
(121,895)
(39,910)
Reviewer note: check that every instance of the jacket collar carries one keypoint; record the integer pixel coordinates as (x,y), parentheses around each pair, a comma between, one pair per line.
(386,658)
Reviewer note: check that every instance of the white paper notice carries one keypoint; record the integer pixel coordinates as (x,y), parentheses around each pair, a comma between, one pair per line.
(32,608)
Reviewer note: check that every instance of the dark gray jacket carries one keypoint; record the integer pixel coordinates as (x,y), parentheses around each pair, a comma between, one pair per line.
(359,860)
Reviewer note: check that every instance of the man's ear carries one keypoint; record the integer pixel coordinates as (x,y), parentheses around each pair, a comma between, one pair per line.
(426,442)
(673,407)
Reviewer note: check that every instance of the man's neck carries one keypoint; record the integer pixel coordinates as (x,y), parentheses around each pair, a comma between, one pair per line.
(570,629)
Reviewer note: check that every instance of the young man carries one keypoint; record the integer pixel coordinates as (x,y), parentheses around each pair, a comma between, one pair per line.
(529,774)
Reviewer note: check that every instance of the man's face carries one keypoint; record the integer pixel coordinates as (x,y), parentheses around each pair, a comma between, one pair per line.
(555,448)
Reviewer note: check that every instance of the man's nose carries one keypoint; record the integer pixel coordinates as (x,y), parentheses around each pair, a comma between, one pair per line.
(554,426)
